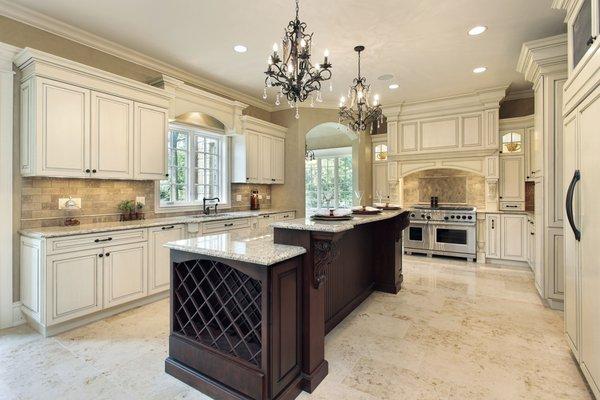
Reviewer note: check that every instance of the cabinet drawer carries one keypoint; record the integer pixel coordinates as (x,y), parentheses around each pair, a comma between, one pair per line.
(286,215)
(84,242)
(512,205)
(225,225)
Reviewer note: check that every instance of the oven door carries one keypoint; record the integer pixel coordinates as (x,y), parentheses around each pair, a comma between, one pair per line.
(453,238)
(417,236)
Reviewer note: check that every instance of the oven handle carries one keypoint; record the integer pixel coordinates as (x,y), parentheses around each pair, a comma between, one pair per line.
(569,204)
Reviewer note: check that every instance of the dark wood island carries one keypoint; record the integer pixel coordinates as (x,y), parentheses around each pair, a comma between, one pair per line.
(250,309)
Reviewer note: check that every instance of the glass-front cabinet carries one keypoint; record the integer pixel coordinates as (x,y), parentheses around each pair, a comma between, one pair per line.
(583,21)
(512,141)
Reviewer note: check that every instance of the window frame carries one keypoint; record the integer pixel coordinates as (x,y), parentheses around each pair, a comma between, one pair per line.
(336,154)
(224,166)
(375,152)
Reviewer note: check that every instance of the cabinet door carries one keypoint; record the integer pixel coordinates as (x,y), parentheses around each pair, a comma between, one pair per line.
(252,157)
(512,180)
(159,264)
(531,244)
(513,242)
(589,124)
(265,157)
(492,235)
(571,251)
(529,135)
(74,285)
(125,269)
(112,137)
(380,182)
(63,129)
(151,127)
(536,158)
(278,160)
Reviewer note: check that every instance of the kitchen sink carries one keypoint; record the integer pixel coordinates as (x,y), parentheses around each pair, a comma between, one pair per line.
(212,215)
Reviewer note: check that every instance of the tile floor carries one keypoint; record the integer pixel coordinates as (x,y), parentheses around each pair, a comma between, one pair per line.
(457,330)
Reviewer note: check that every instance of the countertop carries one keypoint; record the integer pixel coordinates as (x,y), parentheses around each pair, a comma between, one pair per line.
(307,224)
(59,231)
(247,245)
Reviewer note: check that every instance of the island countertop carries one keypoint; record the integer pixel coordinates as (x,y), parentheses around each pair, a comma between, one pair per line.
(307,224)
(254,246)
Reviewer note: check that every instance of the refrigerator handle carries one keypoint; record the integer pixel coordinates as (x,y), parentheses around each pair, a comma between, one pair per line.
(569,204)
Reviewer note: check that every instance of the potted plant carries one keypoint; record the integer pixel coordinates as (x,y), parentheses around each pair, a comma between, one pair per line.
(138,211)
(127,208)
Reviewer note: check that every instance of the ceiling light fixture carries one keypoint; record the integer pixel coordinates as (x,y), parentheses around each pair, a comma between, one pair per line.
(240,48)
(293,72)
(394,86)
(477,30)
(479,70)
(385,77)
(359,114)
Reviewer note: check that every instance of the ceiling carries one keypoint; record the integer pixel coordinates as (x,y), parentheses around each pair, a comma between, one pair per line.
(423,43)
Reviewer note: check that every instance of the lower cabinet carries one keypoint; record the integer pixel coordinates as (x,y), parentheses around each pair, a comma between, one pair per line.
(74,285)
(125,269)
(159,271)
(506,237)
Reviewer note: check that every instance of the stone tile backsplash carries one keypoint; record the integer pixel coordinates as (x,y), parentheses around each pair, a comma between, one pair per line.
(100,199)
(450,185)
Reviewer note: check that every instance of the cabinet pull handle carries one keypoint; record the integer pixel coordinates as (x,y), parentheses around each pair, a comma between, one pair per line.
(569,204)
(231,224)
(531,233)
(493,224)
(164,228)
(591,41)
(100,255)
(107,254)
(103,240)
(509,206)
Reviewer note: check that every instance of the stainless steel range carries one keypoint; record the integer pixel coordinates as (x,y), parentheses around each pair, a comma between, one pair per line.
(449,231)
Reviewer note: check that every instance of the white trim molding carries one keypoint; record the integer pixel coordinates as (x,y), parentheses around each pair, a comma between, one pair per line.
(70,32)
(543,56)
(7,54)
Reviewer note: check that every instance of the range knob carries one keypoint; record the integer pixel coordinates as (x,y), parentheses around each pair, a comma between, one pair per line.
(429,217)
(412,215)
(452,216)
(470,217)
(446,218)
(464,217)
(422,215)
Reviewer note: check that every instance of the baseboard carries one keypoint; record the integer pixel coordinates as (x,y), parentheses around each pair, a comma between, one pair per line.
(18,317)
(509,263)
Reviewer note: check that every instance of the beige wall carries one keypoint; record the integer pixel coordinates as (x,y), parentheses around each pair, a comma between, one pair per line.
(452,186)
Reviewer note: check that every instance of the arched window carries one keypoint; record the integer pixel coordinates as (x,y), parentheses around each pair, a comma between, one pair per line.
(381,152)
(512,142)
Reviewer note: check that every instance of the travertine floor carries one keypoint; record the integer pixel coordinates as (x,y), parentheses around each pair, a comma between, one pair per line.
(456,331)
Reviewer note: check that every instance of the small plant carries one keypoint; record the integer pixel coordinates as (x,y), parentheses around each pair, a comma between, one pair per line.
(127,206)
(130,210)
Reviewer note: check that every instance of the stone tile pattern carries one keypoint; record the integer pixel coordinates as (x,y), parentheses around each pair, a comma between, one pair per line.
(100,199)
(456,330)
(452,186)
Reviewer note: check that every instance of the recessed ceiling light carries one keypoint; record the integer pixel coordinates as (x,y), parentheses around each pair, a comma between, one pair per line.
(394,86)
(477,30)
(385,77)
(239,48)
(479,70)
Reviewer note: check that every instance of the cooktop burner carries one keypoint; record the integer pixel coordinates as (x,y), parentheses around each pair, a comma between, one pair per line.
(445,208)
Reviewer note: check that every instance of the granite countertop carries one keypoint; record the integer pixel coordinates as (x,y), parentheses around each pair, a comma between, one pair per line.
(58,231)
(247,245)
(307,224)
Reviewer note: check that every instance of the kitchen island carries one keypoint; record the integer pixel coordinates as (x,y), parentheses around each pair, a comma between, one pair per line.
(250,309)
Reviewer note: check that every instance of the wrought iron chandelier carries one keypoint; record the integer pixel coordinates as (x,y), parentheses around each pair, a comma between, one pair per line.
(292,72)
(358,114)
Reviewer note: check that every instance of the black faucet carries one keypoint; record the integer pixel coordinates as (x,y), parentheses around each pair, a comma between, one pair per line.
(205,209)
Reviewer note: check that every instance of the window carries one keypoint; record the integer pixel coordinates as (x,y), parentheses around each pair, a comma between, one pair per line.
(512,142)
(381,152)
(196,166)
(328,179)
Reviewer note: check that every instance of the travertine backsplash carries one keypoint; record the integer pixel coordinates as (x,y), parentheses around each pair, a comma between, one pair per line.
(100,199)
(450,185)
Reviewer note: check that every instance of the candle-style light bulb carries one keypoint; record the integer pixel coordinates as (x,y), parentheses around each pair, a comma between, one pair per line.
(275,47)
(318,66)
(326,53)
(302,43)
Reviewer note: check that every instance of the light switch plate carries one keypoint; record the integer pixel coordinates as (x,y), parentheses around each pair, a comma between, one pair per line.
(260,196)
(140,199)
(62,201)
(268,197)
(238,197)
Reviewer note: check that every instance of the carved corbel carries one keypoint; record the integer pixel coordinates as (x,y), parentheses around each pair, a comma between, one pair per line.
(325,252)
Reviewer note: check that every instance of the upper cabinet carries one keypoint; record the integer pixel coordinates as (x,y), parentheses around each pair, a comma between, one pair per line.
(512,142)
(259,153)
(81,122)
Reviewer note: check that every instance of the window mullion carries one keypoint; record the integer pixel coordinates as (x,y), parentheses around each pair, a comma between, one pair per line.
(336,187)
(319,194)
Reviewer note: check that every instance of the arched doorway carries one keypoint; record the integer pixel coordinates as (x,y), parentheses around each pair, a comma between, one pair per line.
(330,170)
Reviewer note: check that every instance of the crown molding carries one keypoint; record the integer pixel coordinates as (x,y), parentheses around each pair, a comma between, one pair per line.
(62,29)
(7,54)
(519,94)
(543,56)
(568,5)
(256,124)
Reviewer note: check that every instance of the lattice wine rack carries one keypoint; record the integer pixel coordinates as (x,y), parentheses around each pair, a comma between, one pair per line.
(219,307)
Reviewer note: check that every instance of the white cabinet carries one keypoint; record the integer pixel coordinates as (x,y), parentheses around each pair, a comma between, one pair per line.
(56,129)
(264,220)
(74,285)
(151,127)
(513,237)
(112,137)
(125,269)
(512,180)
(80,122)
(492,236)
(529,134)
(531,242)
(259,153)
(506,236)
(159,263)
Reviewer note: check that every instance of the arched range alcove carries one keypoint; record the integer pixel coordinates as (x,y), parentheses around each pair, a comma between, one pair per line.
(452,186)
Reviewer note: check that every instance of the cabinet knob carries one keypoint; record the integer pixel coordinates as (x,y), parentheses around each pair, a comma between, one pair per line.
(100,255)
(591,41)
(87,171)
(107,254)
(500,196)
(527,177)
(167,175)
(94,171)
